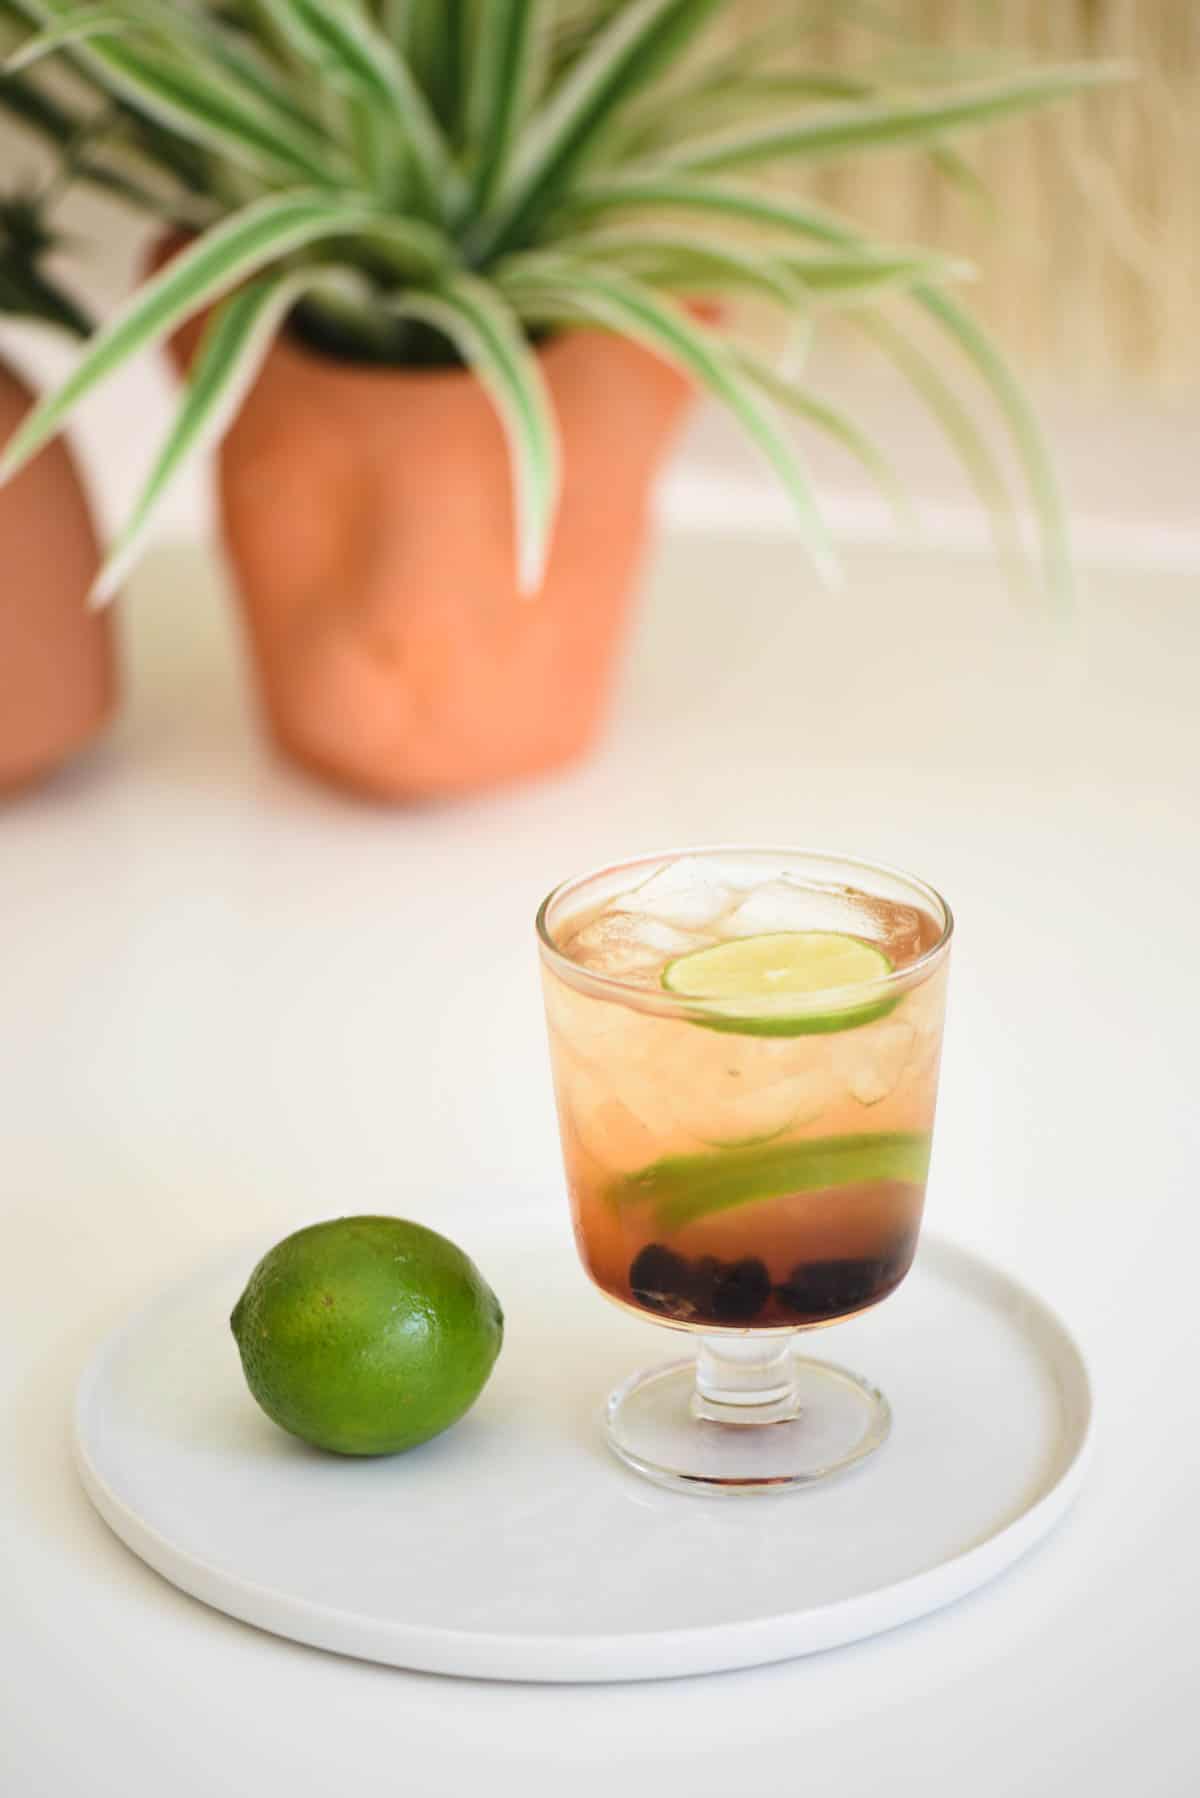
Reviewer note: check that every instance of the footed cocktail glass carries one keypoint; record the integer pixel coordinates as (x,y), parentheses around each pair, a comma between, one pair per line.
(745,1045)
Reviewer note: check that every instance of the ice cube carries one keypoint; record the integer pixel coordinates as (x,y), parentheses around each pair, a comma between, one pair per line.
(879,1066)
(787,904)
(581,1021)
(926,1053)
(611,1105)
(613,1136)
(621,943)
(723,1088)
(784,904)
(682,892)
(760,1113)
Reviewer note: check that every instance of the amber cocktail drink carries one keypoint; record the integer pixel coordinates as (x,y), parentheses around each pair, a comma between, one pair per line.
(745,1047)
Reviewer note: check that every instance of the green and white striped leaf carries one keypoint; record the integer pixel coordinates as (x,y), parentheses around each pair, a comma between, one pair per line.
(339,42)
(883,124)
(204,44)
(395,20)
(88,22)
(177,90)
(983,352)
(346,49)
(673,262)
(720,63)
(619,62)
(196,41)
(574,25)
(228,253)
(741,205)
(488,336)
(569,289)
(855,274)
(430,36)
(955,169)
(227,364)
(836,425)
(955,421)
(744,205)
(697,264)
(663,120)
(253,69)
(444,46)
(503,76)
(207,112)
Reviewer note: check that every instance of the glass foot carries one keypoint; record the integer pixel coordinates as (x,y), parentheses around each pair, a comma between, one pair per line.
(816,1420)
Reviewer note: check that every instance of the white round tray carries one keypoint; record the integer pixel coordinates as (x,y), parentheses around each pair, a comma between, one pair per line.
(517,1547)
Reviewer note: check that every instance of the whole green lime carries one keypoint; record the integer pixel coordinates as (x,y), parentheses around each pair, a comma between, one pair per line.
(367,1335)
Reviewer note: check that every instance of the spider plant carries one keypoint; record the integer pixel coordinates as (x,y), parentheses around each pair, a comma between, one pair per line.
(407,181)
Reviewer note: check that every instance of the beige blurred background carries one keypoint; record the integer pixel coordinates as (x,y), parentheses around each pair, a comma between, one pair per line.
(1089,257)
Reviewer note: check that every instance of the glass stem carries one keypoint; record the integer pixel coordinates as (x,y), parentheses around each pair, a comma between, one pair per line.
(745,1379)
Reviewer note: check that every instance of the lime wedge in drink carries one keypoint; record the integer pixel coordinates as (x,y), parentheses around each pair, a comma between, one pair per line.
(683,1189)
(787,964)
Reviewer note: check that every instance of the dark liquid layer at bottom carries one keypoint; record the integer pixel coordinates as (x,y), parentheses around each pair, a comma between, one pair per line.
(743,1295)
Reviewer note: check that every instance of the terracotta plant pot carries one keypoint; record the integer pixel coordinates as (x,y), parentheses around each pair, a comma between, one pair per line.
(368,518)
(58,679)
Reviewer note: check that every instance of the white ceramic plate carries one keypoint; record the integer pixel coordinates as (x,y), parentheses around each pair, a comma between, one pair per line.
(516,1546)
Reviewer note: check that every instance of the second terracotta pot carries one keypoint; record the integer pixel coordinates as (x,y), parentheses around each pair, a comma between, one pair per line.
(58,672)
(369,522)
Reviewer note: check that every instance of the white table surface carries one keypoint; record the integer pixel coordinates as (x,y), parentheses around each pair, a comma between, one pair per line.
(233,1001)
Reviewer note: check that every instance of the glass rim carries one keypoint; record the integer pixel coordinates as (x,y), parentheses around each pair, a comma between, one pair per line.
(613,986)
